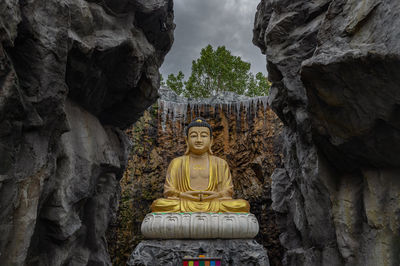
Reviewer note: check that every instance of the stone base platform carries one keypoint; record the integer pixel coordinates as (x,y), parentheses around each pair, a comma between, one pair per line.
(235,252)
(199,225)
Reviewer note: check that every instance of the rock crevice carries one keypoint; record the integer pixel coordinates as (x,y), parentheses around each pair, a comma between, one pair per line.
(246,134)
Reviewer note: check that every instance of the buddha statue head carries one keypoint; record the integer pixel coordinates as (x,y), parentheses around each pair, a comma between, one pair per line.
(198,137)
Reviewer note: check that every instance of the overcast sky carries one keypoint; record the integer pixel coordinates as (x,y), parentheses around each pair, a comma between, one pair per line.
(215,22)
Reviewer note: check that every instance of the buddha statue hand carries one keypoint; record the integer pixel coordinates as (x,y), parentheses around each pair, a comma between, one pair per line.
(200,195)
(215,195)
(211,195)
(190,195)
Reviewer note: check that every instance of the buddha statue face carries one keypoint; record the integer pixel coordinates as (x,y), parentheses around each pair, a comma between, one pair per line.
(199,140)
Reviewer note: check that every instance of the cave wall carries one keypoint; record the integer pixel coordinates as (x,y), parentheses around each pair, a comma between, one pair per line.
(247,138)
(73,75)
(334,68)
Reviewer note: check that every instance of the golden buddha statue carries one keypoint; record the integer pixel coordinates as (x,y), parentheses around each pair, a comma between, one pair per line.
(199,181)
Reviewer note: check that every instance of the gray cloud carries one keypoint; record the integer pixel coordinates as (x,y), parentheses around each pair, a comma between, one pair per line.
(215,22)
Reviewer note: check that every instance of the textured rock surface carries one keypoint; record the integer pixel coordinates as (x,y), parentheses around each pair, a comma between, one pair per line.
(170,252)
(72,75)
(249,140)
(334,67)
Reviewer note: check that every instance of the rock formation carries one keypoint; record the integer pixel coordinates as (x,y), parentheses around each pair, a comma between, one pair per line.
(170,252)
(73,74)
(245,134)
(334,67)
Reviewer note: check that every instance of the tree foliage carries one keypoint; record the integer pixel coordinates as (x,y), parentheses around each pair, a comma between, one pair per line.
(258,85)
(176,82)
(218,70)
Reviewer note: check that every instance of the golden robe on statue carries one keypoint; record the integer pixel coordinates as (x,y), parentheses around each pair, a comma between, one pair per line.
(178,180)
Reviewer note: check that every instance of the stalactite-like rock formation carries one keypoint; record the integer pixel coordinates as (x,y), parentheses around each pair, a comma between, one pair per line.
(335,69)
(246,134)
(73,74)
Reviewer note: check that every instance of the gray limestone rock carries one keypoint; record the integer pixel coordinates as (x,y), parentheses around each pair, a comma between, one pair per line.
(334,67)
(353,86)
(73,74)
(233,252)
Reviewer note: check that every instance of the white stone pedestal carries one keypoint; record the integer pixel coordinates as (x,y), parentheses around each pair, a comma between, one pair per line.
(199,225)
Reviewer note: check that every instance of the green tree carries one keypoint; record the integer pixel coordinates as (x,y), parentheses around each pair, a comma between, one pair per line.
(162,81)
(258,85)
(218,70)
(175,83)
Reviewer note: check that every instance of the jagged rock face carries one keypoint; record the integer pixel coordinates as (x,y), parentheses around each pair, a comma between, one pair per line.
(334,67)
(247,138)
(170,252)
(72,75)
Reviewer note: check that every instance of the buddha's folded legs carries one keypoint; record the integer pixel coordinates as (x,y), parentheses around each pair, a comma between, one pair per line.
(182,205)
(234,205)
(166,205)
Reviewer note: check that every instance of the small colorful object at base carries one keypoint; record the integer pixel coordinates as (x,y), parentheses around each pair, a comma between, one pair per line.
(202,260)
